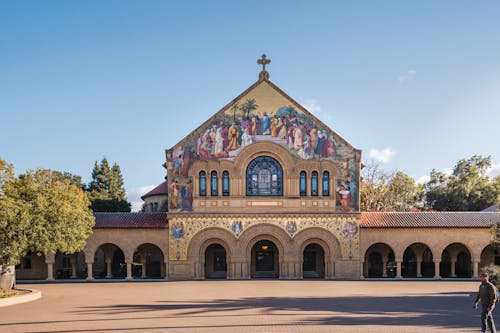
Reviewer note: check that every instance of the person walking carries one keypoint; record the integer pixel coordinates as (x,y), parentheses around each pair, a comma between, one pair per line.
(487,295)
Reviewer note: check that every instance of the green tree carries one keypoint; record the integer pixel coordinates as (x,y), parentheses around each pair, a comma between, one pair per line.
(388,191)
(468,188)
(249,106)
(106,191)
(41,211)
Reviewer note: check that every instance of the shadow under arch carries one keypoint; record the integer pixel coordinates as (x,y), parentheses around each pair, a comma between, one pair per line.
(456,261)
(379,261)
(148,261)
(325,239)
(418,261)
(202,240)
(262,232)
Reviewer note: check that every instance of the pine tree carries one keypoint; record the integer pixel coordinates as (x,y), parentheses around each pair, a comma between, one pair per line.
(106,191)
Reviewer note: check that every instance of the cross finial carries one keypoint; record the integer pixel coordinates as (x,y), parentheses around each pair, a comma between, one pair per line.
(263,75)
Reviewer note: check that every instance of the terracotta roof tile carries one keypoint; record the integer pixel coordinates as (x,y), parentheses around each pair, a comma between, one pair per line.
(130,220)
(428,219)
(158,190)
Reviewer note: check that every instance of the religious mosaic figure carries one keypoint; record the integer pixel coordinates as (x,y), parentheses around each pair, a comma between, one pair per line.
(237,228)
(350,230)
(291,227)
(178,230)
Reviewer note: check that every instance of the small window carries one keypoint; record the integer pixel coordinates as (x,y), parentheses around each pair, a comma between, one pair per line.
(326,184)
(314,184)
(203,184)
(303,184)
(155,208)
(225,183)
(214,187)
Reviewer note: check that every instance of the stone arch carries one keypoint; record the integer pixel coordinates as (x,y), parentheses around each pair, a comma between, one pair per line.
(414,263)
(455,262)
(489,256)
(273,233)
(152,261)
(326,240)
(379,261)
(202,240)
(106,261)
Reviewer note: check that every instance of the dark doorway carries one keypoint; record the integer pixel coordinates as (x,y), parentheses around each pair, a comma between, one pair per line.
(313,265)
(215,262)
(265,260)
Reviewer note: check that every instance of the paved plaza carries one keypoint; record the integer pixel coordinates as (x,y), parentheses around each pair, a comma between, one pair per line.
(247,306)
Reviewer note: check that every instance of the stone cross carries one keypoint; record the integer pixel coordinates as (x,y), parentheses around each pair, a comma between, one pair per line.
(263,75)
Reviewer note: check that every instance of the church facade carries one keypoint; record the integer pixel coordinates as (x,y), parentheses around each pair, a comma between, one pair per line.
(264,189)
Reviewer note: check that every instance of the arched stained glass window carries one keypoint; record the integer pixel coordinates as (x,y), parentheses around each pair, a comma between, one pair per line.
(314,184)
(214,187)
(303,184)
(264,177)
(326,184)
(225,183)
(203,184)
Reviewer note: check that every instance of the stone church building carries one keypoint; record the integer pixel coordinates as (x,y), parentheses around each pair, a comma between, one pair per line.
(264,189)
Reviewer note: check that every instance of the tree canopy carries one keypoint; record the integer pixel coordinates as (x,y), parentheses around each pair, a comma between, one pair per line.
(388,191)
(467,188)
(106,191)
(42,211)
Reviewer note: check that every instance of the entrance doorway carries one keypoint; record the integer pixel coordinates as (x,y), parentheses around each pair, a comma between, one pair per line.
(265,260)
(215,262)
(313,265)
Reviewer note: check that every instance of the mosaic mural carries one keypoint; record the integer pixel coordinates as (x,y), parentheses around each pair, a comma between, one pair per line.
(345,229)
(263,115)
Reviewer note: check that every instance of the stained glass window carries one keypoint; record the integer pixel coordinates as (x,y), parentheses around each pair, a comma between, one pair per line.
(225,183)
(264,177)
(303,183)
(214,187)
(203,184)
(314,184)
(326,183)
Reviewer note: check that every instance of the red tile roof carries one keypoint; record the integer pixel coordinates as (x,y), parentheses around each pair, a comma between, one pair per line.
(130,220)
(428,219)
(158,190)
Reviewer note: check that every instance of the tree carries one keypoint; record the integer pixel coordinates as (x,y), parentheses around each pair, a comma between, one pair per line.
(468,188)
(388,191)
(106,191)
(235,108)
(42,211)
(249,106)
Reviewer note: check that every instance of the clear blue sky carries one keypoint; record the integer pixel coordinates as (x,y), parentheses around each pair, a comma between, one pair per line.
(79,80)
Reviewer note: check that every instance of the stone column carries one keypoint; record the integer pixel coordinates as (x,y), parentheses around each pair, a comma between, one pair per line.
(165,268)
(129,270)
(143,265)
(436,268)
(363,270)
(50,260)
(109,274)
(398,268)
(73,266)
(419,268)
(453,261)
(89,270)
(475,268)
(384,266)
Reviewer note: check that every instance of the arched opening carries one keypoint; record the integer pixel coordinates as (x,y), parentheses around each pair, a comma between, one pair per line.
(313,265)
(456,262)
(264,177)
(148,262)
(109,262)
(489,256)
(70,266)
(215,262)
(379,261)
(409,265)
(265,260)
(417,261)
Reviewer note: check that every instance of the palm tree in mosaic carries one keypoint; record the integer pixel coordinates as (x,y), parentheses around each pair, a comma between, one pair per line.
(249,106)
(235,108)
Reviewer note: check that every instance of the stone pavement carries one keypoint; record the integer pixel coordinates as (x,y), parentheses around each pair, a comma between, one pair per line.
(248,306)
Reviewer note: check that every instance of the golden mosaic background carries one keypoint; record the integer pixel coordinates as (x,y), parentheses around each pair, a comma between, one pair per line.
(178,247)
